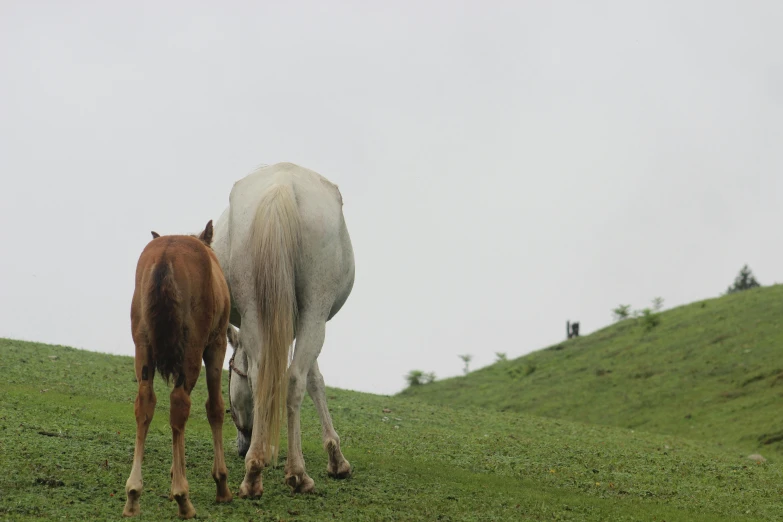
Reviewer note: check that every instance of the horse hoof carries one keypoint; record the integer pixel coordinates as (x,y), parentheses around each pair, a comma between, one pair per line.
(343,470)
(186,509)
(131,511)
(132,508)
(300,483)
(338,466)
(224,498)
(251,491)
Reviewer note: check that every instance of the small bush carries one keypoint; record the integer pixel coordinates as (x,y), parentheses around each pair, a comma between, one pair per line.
(501,356)
(514,372)
(418,377)
(745,280)
(621,312)
(414,377)
(649,319)
(466,359)
(518,371)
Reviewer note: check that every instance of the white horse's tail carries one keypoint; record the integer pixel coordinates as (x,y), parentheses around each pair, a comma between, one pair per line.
(275,238)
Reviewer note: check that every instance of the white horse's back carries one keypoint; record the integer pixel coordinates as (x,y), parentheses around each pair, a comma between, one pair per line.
(325,239)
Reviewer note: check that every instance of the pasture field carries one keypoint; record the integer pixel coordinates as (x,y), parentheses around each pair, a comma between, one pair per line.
(710,371)
(67,434)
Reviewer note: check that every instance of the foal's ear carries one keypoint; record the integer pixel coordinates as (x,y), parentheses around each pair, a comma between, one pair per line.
(155,235)
(206,236)
(233,336)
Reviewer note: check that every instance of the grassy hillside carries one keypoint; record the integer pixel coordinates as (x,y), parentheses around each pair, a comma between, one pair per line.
(711,371)
(67,431)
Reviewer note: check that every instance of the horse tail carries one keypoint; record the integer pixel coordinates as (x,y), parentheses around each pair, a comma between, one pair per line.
(275,238)
(165,321)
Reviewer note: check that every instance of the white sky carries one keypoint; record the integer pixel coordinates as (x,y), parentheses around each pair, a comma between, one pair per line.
(505,166)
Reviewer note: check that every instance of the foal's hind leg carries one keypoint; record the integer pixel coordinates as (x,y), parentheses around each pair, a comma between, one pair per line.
(213,360)
(338,466)
(179,413)
(144,409)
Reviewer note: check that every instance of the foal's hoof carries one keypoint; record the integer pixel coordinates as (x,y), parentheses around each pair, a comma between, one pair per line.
(224,498)
(132,508)
(251,490)
(222,493)
(186,509)
(300,483)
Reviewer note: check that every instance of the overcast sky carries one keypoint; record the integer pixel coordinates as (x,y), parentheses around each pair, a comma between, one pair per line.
(505,166)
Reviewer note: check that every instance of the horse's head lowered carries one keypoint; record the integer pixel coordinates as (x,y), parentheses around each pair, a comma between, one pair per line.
(240,394)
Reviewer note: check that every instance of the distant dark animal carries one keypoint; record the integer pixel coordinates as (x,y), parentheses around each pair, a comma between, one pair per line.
(572,330)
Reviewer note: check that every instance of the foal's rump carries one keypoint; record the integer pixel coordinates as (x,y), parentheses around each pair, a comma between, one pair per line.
(165,321)
(176,277)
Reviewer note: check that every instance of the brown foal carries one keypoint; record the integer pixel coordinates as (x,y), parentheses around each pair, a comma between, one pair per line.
(179,317)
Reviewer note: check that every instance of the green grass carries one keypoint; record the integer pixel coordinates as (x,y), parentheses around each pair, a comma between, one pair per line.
(710,371)
(67,432)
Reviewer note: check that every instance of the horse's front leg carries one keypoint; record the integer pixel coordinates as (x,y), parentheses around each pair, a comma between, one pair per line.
(255,459)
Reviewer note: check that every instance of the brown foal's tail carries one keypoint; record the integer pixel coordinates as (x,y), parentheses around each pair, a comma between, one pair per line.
(165,322)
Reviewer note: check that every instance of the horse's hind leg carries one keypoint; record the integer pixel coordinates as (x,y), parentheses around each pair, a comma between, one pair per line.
(309,341)
(213,361)
(338,466)
(179,413)
(144,409)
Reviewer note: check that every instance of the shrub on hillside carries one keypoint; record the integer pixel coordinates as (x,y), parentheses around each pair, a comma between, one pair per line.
(418,377)
(519,371)
(648,317)
(745,280)
(414,377)
(466,359)
(621,312)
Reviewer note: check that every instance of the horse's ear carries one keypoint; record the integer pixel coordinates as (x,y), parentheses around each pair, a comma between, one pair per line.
(233,336)
(206,236)
(155,235)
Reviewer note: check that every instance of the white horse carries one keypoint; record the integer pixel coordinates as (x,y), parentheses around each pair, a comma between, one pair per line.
(288,260)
